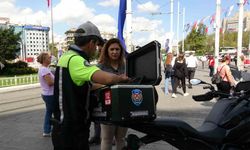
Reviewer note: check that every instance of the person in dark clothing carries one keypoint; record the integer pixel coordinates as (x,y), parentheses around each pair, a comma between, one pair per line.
(180,73)
(73,82)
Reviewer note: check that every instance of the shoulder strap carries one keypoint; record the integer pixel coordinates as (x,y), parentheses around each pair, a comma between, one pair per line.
(220,71)
(69,60)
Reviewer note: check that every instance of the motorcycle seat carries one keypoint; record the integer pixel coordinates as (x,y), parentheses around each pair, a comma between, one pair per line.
(208,131)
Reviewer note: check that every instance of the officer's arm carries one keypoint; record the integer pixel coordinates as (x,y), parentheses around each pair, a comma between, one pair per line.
(106,78)
(96,86)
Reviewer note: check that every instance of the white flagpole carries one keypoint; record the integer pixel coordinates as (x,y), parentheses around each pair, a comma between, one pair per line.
(217,34)
(171,25)
(178,22)
(129,26)
(240,32)
(52,33)
(183,30)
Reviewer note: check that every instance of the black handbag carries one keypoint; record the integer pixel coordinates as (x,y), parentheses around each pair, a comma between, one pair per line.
(216,78)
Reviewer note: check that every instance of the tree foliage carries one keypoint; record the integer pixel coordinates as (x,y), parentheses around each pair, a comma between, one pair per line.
(196,40)
(202,43)
(9,46)
(230,39)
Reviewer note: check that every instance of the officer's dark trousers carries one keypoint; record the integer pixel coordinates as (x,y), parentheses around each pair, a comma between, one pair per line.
(70,136)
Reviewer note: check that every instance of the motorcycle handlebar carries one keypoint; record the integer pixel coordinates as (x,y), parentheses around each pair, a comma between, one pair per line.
(207,87)
(203,97)
(209,96)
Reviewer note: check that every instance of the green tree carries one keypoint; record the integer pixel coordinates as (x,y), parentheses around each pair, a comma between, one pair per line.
(197,40)
(9,46)
(230,39)
(210,43)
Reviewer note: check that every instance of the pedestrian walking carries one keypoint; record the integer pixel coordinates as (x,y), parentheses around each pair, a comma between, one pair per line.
(192,64)
(226,75)
(180,73)
(241,67)
(73,81)
(46,79)
(203,61)
(112,60)
(211,65)
(168,71)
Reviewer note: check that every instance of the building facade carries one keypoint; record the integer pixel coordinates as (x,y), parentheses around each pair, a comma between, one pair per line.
(4,22)
(34,40)
(231,24)
(70,36)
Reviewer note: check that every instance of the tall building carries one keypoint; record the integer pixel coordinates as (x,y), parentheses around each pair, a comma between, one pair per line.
(70,36)
(4,22)
(34,40)
(231,24)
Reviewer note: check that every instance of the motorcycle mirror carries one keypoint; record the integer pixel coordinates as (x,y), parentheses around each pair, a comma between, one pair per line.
(197,81)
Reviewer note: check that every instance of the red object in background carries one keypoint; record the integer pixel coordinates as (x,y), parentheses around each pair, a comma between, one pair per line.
(29,59)
(48,2)
(211,61)
(247,61)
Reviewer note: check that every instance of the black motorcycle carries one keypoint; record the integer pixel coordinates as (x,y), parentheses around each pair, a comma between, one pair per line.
(227,126)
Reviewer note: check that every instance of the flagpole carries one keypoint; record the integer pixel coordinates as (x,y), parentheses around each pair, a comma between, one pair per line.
(171,25)
(240,32)
(178,22)
(129,26)
(52,33)
(217,34)
(183,30)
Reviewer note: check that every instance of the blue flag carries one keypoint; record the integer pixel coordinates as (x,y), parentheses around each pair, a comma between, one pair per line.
(121,20)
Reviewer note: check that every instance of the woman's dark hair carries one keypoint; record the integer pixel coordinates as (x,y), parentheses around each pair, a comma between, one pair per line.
(104,57)
(180,57)
(225,58)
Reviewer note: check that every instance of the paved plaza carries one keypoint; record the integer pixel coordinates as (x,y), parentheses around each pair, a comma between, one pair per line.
(21,125)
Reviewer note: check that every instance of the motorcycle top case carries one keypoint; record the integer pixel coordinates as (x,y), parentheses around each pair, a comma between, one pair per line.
(125,103)
(144,64)
(132,101)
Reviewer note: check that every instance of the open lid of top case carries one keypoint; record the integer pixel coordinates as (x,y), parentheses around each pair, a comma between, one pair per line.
(144,64)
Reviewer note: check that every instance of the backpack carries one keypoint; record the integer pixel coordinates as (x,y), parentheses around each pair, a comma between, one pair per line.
(216,78)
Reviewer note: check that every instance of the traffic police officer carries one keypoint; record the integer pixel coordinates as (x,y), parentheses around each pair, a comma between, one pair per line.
(72,89)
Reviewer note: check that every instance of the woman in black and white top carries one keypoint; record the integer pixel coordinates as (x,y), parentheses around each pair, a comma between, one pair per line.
(180,73)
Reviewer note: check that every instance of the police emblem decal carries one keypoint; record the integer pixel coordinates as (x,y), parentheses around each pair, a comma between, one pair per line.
(136,96)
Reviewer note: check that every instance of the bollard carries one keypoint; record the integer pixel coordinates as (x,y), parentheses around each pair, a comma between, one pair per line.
(31,78)
(15,80)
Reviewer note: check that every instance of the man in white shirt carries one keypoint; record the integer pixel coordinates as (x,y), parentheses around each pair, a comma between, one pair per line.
(192,63)
(203,60)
